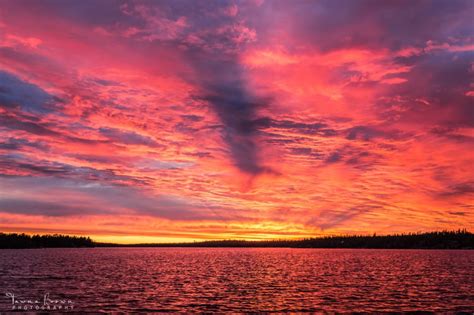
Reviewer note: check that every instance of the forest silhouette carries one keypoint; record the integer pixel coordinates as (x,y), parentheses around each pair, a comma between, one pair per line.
(460,239)
(14,240)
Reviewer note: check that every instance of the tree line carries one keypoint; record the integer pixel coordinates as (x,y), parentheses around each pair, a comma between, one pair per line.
(460,239)
(13,240)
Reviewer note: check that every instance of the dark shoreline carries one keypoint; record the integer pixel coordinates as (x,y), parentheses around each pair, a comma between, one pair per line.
(460,239)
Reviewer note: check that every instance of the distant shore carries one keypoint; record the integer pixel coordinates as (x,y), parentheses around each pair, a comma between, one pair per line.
(460,239)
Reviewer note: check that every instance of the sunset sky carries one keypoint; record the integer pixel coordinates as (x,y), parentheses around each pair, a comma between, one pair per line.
(141,121)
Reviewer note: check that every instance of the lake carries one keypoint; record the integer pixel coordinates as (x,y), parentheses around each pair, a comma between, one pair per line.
(236,279)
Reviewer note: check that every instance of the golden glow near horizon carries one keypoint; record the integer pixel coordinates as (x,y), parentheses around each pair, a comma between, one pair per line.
(152,122)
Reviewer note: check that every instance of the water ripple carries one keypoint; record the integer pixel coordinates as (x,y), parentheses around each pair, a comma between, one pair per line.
(242,280)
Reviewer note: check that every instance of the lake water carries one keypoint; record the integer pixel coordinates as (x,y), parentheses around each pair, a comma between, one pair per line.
(237,279)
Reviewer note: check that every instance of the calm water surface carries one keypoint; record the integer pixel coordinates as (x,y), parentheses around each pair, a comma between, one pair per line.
(240,279)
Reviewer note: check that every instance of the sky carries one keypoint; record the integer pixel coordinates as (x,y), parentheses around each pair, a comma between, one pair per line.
(163,121)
